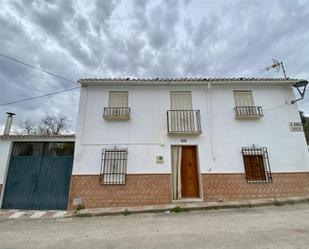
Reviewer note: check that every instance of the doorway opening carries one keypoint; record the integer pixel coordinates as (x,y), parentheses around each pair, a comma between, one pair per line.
(185,174)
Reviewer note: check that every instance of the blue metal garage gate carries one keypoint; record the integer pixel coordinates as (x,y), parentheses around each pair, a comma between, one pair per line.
(39,176)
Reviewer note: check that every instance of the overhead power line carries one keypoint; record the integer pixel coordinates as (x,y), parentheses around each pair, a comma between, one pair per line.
(39,96)
(36,68)
(41,70)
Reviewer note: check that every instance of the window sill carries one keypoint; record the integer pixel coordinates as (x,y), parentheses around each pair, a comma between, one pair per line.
(264,181)
(114,117)
(246,116)
(175,133)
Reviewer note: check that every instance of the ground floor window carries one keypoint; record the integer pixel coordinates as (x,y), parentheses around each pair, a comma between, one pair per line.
(256,164)
(114,166)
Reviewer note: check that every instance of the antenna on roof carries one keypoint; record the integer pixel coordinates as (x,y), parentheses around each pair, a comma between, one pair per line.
(276,65)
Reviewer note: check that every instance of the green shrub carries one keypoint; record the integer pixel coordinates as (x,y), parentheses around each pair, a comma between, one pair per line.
(79,207)
(278,203)
(177,210)
(126,212)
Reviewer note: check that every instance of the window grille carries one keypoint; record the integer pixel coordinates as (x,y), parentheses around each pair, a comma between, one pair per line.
(114,166)
(256,164)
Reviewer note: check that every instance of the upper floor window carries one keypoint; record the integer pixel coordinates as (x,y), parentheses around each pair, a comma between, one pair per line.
(244,105)
(117,106)
(243,98)
(181,100)
(118,99)
(181,119)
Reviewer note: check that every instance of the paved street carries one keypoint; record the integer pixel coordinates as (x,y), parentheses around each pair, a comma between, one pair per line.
(264,227)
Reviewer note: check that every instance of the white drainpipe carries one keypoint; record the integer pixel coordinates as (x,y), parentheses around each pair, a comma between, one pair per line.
(210,123)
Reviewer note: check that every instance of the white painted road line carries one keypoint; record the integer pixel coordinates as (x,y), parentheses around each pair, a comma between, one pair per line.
(37,215)
(17,215)
(59,214)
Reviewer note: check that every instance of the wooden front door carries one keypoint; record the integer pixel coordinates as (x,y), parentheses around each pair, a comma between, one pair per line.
(189,175)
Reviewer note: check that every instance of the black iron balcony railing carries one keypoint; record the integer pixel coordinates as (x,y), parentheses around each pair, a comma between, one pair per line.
(250,112)
(181,122)
(116,113)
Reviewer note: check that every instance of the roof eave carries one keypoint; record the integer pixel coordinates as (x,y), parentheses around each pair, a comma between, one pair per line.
(188,82)
(38,138)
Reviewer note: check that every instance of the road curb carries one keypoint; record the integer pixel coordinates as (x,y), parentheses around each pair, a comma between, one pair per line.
(179,207)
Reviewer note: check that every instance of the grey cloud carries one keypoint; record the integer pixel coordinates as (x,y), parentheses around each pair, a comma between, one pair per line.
(162,22)
(206,29)
(101,15)
(143,39)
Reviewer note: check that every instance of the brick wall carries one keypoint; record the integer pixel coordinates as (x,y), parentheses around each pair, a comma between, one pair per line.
(143,189)
(234,186)
(151,189)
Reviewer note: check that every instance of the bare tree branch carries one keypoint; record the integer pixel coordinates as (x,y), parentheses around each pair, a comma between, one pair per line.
(49,125)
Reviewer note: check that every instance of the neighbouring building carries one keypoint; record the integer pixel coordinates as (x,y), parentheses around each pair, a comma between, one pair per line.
(157,141)
(35,171)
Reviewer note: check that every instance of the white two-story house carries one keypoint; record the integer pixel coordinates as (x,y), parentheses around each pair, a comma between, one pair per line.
(156,141)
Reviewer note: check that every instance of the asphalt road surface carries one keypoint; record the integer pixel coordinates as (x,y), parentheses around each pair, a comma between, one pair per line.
(246,228)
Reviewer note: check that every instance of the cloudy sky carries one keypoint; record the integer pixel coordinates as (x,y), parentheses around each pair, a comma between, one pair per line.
(139,38)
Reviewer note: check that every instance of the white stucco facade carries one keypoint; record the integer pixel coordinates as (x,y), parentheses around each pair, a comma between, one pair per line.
(219,145)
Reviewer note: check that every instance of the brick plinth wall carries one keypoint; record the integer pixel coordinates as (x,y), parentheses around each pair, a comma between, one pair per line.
(151,189)
(234,186)
(140,189)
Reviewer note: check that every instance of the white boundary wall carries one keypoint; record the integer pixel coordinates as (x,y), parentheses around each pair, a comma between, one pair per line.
(5,153)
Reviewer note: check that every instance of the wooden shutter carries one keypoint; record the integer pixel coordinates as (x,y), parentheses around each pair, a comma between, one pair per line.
(182,117)
(181,101)
(118,99)
(254,168)
(243,98)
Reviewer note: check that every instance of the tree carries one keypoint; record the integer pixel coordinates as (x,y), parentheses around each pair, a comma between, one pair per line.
(28,127)
(48,125)
(53,124)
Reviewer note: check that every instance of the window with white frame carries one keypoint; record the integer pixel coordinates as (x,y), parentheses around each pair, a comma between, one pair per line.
(118,99)
(244,105)
(181,117)
(181,100)
(114,166)
(243,98)
(117,106)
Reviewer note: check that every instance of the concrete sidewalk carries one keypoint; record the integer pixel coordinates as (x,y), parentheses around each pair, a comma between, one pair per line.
(32,214)
(187,206)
